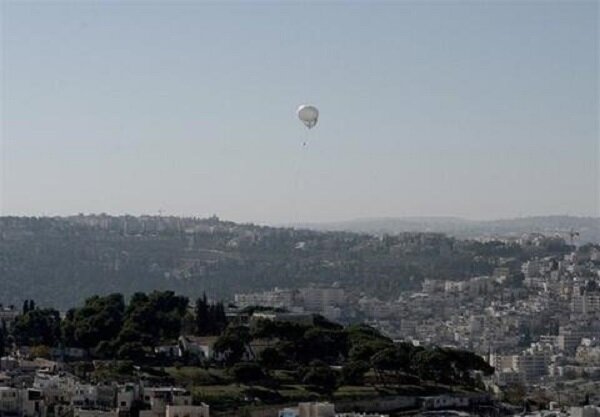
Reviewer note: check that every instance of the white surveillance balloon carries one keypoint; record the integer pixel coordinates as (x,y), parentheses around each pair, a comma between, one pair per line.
(309,115)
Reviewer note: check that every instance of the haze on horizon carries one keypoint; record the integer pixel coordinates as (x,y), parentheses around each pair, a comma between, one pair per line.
(472,109)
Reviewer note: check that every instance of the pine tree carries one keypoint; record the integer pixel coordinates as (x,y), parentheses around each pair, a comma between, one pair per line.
(202,316)
(2,342)
(210,317)
(220,317)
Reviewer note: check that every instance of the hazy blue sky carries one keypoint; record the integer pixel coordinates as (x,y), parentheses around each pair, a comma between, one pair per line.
(474,109)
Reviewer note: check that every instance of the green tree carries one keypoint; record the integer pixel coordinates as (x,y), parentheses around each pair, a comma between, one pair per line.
(247,372)
(364,350)
(133,351)
(271,358)
(210,317)
(433,364)
(232,344)
(282,330)
(2,342)
(37,327)
(353,373)
(100,319)
(203,325)
(323,344)
(321,378)
(394,358)
(515,394)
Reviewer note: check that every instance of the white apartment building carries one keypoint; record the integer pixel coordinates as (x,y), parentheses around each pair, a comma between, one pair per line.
(201,410)
(160,398)
(91,412)
(10,400)
(320,409)
(316,409)
(586,411)
(586,303)
(278,298)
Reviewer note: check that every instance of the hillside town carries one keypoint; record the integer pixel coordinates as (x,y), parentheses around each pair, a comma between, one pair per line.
(538,328)
(417,322)
(36,381)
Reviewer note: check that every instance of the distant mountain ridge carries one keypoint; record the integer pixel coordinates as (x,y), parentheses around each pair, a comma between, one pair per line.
(587,227)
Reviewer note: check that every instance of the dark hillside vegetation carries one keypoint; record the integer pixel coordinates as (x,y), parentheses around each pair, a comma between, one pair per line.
(61,261)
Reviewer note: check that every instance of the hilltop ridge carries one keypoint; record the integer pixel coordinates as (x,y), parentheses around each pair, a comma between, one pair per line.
(587,227)
(61,261)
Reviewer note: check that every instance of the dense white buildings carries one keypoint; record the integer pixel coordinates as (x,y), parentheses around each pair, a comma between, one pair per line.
(319,409)
(64,396)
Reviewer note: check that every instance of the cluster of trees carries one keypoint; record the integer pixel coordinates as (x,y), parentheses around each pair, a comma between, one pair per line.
(28,305)
(108,327)
(313,352)
(321,355)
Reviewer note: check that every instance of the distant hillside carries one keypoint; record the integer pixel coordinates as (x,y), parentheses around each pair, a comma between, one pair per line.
(587,227)
(61,261)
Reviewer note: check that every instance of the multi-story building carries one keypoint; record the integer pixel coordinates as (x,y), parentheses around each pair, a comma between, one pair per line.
(201,410)
(57,389)
(278,298)
(569,338)
(159,398)
(585,411)
(585,303)
(9,401)
(94,412)
(318,298)
(26,402)
(532,364)
(317,409)
(93,396)
(531,268)
(127,395)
